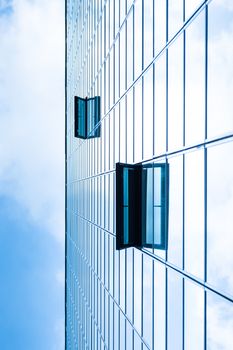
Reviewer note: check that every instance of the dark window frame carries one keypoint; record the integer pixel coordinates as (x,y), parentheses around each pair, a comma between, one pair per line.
(137,207)
(96,129)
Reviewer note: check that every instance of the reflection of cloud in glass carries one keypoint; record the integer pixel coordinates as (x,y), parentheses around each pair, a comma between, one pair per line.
(220,68)
(219,215)
(219,323)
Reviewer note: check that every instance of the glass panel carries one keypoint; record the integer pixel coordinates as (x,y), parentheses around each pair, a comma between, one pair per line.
(116,327)
(175,94)
(129,336)
(117,16)
(80,117)
(160,106)
(129,49)
(194,316)
(159,306)
(195,81)
(137,38)
(148,114)
(147,299)
(175,232)
(138,122)
(137,289)
(117,133)
(175,16)
(219,217)
(122,331)
(149,205)
(122,131)
(122,10)
(117,70)
(159,25)
(219,323)
(220,68)
(175,310)
(122,60)
(130,127)
(148,32)
(154,213)
(129,284)
(194,213)
(190,7)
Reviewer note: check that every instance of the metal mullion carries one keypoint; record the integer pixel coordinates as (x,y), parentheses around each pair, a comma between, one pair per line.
(142,274)
(126,309)
(166,271)
(205,175)
(183,184)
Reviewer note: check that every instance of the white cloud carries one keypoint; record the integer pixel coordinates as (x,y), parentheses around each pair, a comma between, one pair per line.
(32,110)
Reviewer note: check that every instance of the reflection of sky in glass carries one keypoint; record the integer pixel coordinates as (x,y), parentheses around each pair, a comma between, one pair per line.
(219,216)
(165,111)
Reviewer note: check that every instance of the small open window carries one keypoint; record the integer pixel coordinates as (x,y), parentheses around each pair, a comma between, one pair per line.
(142,205)
(86,117)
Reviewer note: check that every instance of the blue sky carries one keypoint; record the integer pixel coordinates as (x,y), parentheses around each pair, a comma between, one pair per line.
(32,174)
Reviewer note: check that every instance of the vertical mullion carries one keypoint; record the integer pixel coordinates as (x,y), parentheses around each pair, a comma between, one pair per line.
(205,174)
(183,206)
(142,275)
(133,294)
(133,87)
(166,271)
(142,97)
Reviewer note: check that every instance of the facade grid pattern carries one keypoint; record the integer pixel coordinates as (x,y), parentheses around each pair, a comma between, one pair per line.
(163,73)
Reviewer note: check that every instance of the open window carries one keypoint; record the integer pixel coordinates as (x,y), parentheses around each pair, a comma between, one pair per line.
(86,117)
(142,205)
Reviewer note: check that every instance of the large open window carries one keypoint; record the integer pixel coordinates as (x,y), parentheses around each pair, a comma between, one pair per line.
(142,205)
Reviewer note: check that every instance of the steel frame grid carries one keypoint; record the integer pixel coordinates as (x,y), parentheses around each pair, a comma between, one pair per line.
(102,169)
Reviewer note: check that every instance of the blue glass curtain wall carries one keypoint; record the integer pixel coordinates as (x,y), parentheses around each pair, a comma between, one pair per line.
(163,71)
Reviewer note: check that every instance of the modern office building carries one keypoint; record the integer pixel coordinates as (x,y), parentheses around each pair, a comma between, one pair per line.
(163,75)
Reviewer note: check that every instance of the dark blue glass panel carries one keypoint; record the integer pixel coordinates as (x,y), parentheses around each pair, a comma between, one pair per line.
(93,117)
(80,117)
(127,201)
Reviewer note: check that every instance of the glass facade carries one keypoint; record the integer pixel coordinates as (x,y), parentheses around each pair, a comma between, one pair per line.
(164,74)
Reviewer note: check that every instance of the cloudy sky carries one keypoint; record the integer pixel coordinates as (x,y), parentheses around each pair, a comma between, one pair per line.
(32,174)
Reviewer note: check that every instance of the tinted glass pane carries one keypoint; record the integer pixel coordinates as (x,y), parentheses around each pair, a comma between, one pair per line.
(219,216)
(175,16)
(220,68)
(148,115)
(90,116)
(175,311)
(195,81)
(219,323)
(194,213)
(148,32)
(80,124)
(175,94)
(159,25)
(147,299)
(160,105)
(191,6)
(126,209)
(137,38)
(159,306)
(175,232)
(194,316)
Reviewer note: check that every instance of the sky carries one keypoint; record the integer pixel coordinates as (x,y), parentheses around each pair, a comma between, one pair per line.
(32,174)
